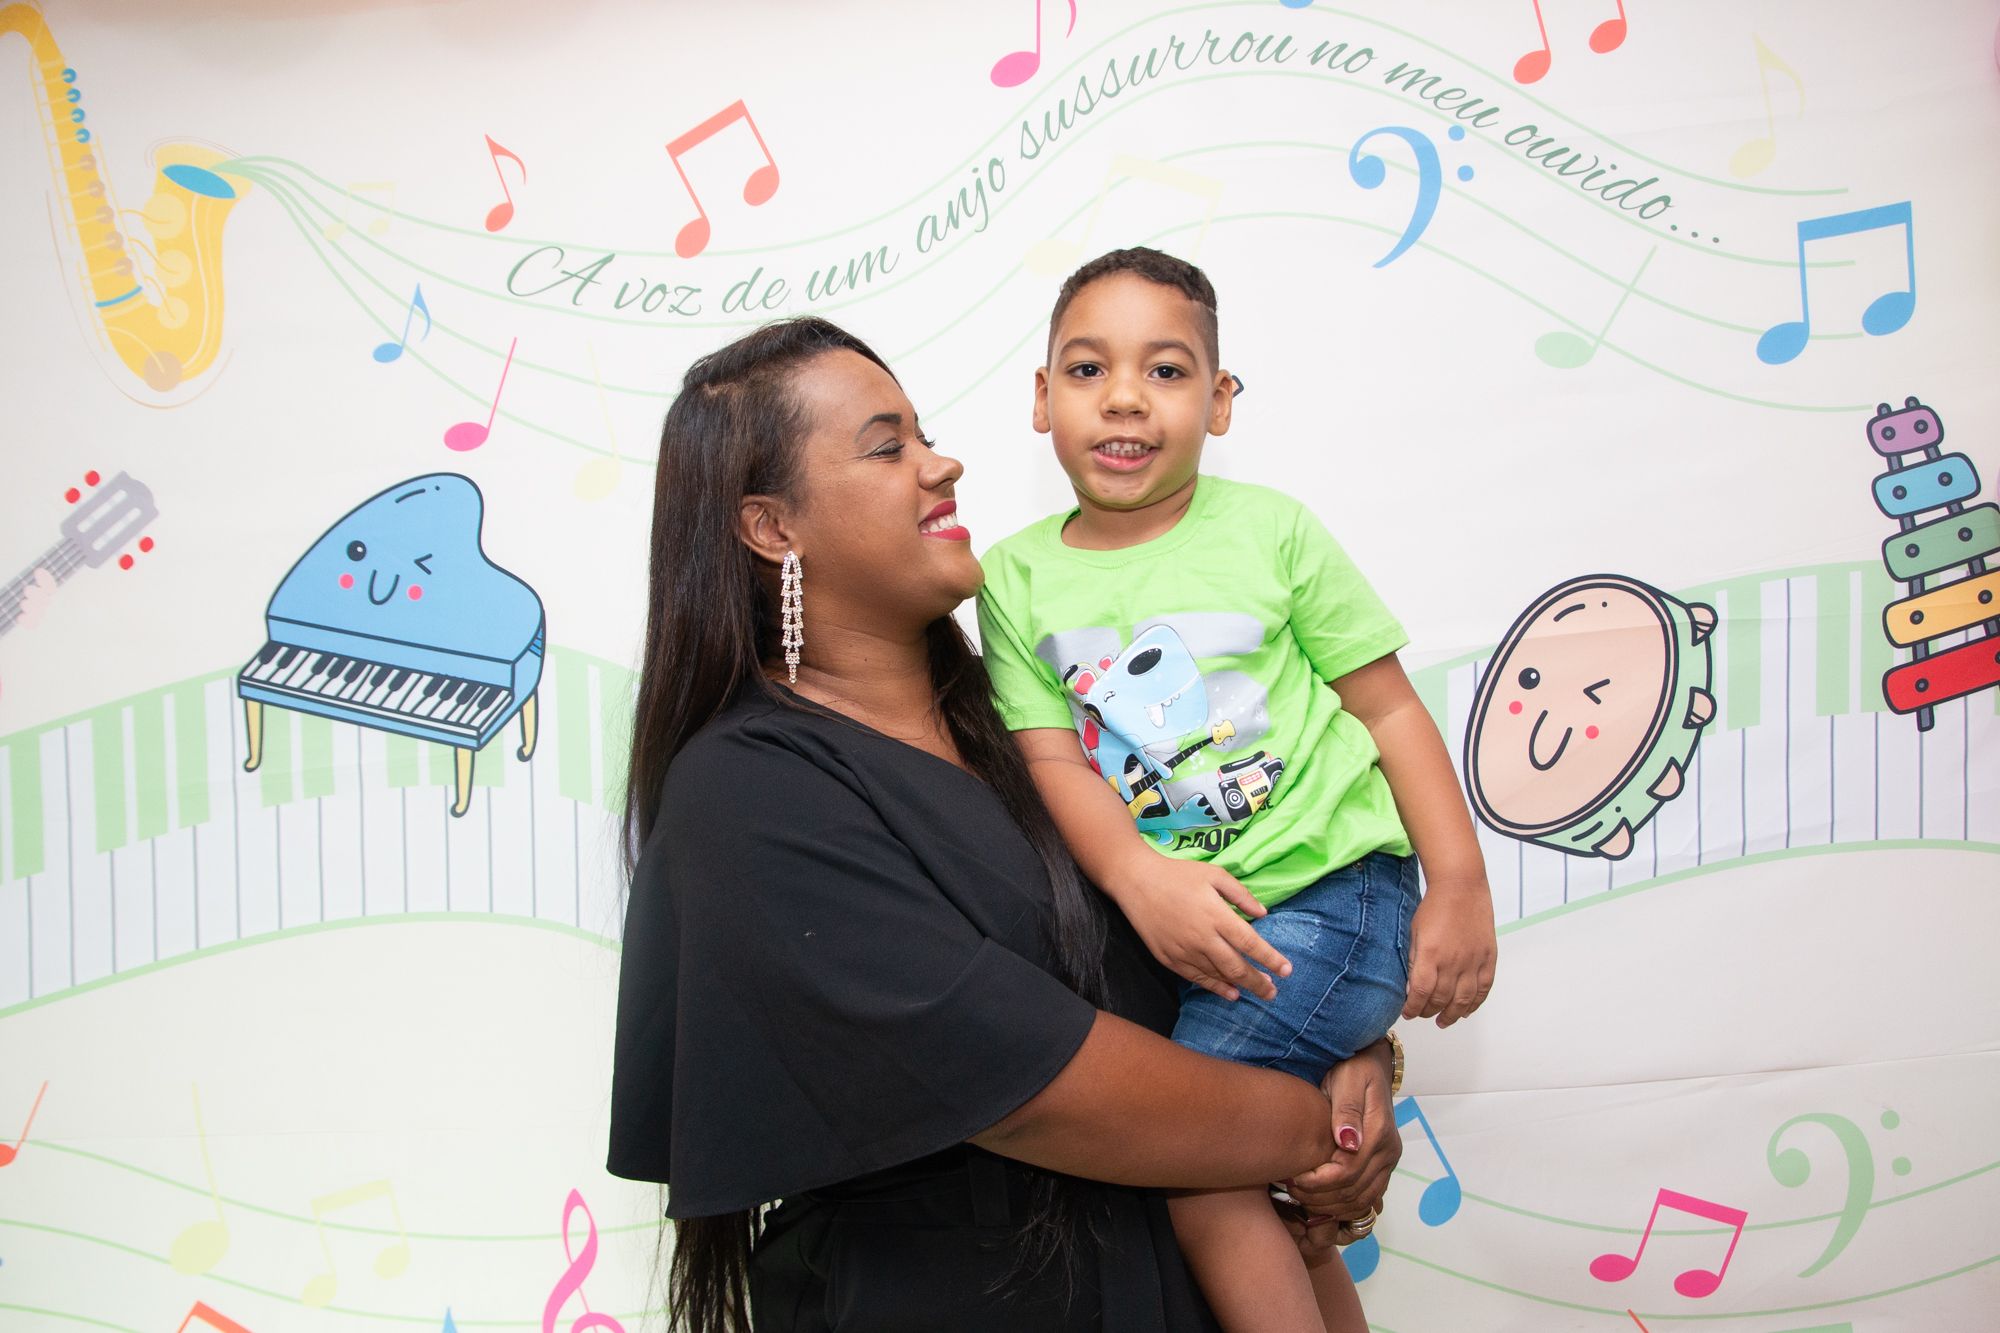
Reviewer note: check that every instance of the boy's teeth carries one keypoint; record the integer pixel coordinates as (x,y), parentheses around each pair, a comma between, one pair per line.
(1122,448)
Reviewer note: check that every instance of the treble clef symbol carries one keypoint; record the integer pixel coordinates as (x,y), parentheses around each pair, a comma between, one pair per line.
(571,1282)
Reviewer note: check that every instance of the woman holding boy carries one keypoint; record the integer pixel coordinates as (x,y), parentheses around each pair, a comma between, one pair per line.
(863,973)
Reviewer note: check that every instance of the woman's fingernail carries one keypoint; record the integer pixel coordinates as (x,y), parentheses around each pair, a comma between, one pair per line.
(1348,1137)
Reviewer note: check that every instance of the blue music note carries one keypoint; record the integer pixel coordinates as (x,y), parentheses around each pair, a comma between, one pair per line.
(1437,1205)
(1885,314)
(1368,172)
(1362,1257)
(388,352)
(1442,1196)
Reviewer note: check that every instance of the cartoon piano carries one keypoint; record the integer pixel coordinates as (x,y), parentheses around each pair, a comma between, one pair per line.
(395,619)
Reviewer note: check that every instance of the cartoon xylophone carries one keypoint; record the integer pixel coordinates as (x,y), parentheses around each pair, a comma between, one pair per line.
(1923,480)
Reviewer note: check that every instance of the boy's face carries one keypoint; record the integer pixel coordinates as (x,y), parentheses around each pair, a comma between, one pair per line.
(1128,394)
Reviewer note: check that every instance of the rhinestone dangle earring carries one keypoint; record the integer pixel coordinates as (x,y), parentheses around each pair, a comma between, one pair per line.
(791,599)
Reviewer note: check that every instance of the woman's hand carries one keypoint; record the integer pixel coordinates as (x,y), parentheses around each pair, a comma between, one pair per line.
(1368,1148)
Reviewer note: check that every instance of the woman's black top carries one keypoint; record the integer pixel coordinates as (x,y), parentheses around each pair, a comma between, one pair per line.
(835,972)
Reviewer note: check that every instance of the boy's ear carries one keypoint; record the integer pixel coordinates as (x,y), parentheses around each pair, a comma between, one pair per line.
(763,527)
(1042,399)
(1222,402)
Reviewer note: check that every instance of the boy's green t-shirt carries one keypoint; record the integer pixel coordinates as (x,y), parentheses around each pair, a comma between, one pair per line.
(1193,668)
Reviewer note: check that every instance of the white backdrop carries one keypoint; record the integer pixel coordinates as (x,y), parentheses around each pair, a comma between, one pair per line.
(248,997)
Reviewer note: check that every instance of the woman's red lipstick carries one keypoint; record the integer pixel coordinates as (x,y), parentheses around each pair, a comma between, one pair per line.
(939,523)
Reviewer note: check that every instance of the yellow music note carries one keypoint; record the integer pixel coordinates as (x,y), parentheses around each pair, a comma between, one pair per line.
(600,476)
(1053,257)
(390,1263)
(334,231)
(1754,156)
(201,1246)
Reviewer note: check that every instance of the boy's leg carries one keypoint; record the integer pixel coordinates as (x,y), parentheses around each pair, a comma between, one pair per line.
(1246,1262)
(1333,1289)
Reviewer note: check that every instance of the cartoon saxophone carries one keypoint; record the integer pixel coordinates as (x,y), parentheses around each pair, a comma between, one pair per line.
(166,325)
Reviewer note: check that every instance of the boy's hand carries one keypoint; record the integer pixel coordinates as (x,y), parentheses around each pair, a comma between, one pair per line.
(1452,953)
(1181,910)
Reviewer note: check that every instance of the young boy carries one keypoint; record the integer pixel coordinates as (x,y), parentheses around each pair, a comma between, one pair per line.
(1248,741)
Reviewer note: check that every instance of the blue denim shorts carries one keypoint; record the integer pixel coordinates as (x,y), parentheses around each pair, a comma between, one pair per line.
(1347,937)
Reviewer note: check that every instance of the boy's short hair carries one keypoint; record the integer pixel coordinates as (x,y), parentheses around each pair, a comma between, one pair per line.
(1153,266)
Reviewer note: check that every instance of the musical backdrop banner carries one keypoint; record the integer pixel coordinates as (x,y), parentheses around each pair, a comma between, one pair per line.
(339,334)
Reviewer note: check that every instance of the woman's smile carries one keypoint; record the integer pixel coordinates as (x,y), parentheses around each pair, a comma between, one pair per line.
(943,522)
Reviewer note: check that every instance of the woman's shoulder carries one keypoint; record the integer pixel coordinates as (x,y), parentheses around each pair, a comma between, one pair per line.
(757,729)
(761,746)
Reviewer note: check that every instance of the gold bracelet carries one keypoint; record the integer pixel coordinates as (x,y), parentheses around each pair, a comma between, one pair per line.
(1396,1076)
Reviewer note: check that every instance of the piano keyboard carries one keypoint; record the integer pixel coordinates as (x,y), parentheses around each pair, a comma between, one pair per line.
(456,708)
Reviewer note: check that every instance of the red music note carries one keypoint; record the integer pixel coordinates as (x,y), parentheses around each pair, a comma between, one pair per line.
(503,213)
(1610,34)
(1533,65)
(221,1323)
(8,1152)
(1694,1282)
(1017,67)
(571,1282)
(1606,36)
(763,182)
(468,435)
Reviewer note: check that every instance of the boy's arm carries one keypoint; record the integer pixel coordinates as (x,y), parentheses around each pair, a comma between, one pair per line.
(1180,908)
(1453,949)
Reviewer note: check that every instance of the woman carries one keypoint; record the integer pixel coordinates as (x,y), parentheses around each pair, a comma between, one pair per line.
(861,974)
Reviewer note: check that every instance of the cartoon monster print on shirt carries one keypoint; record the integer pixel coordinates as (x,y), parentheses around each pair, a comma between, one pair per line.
(1144,711)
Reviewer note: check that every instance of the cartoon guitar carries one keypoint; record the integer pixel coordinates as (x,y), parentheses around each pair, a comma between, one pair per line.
(92,533)
(1147,801)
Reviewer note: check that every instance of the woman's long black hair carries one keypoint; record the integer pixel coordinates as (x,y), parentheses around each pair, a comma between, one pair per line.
(712,629)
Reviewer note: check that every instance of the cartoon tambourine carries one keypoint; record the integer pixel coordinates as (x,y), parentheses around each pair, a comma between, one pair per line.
(1588,714)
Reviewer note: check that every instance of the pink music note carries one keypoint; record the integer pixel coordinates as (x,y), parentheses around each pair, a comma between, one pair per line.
(503,213)
(1017,67)
(1694,1282)
(221,1323)
(1610,34)
(9,1151)
(469,435)
(762,184)
(1606,36)
(1533,65)
(571,1282)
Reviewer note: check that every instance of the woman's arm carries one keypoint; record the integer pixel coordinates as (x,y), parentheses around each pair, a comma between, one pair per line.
(1132,1108)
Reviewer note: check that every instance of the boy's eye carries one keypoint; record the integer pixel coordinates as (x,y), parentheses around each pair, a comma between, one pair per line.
(1088,370)
(1169,372)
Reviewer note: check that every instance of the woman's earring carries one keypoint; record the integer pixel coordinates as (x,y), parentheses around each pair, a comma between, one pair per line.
(791,599)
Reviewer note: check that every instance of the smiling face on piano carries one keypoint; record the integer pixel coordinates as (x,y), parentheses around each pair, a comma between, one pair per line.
(874,521)
(406,567)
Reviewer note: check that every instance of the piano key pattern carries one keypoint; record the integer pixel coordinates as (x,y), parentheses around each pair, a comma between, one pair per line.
(462,707)
(130,833)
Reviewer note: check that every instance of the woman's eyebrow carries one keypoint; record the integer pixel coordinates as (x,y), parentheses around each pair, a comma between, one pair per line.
(892,418)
